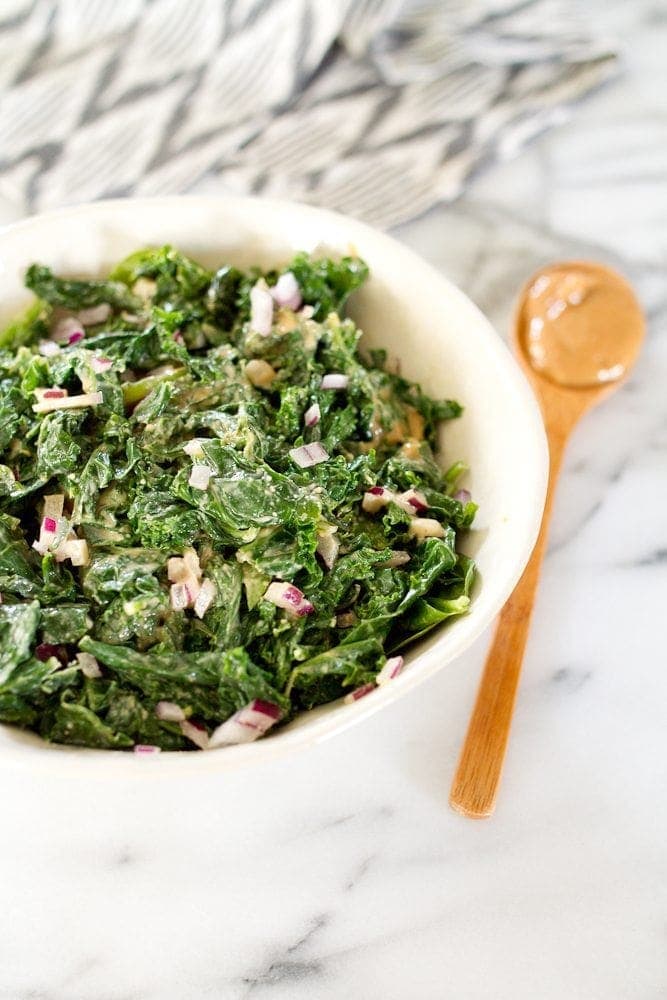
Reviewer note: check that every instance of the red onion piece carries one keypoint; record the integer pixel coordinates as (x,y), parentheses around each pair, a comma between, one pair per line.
(398,558)
(204,598)
(328,546)
(48,348)
(288,597)
(145,749)
(308,455)
(69,402)
(67,328)
(88,665)
(246,725)
(312,415)
(49,524)
(376,498)
(193,448)
(75,337)
(286,291)
(463,496)
(193,731)
(334,381)
(54,394)
(169,711)
(425,527)
(53,505)
(199,477)
(261,309)
(178,596)
(100,365)
(45,650)
(415,499)
(390,670)
(358,693)
(94,314)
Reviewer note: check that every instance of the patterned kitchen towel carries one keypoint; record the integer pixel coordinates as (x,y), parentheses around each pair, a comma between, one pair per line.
(379,108)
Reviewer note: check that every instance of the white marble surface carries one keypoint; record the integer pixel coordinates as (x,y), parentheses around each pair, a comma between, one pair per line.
(342,873)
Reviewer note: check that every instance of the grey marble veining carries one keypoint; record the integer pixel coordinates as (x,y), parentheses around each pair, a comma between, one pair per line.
(342,872)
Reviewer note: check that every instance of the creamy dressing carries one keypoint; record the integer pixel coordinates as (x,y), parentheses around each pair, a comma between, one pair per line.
(578,325)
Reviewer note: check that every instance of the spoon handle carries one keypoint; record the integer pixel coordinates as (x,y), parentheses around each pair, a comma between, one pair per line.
(475,786)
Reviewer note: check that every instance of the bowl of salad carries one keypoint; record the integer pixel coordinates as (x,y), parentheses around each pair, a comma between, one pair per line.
(262,470)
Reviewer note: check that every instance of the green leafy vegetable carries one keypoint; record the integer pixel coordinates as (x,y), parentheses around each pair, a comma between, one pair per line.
(168,538)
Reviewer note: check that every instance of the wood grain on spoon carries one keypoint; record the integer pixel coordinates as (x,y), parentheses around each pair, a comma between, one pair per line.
(577,332)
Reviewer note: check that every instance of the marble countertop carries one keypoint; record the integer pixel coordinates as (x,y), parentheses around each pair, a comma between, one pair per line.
(342,872)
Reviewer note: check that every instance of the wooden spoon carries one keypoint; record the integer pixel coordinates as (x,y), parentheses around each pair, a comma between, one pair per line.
(577,332)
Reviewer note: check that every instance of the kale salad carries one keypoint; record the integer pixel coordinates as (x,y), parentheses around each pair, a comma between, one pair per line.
(215,512)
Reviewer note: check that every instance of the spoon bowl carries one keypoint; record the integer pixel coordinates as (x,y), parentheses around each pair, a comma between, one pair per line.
(577,332)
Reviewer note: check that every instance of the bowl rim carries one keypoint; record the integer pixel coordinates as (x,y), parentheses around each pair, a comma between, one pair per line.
(65,759)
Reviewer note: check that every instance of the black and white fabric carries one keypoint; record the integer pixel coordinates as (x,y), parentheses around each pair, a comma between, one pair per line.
(379,108)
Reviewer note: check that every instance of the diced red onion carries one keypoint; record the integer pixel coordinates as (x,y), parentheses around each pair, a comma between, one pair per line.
(359,692)
(145,749)
(47,392)
(290,598)
(196,733)
(463,496)
(191,562)
(284,595)
(205,598)
(308,455)
(94,314)
(199,477)
(334,381)
(376,498)
(175,569)
(391,669)
(45,650)
(75,337)
(286,291)
(177,336)
(312,415)
(49,525)
(178,596)
(74,549)
(425,527)
(397,559)
(415,499)
(48,348)
(261,309)
(69,402)
(53,505)
(169,711)
(89,665)
(100,365)
(193,448)
(328,546)
(246,725)
(66,328)
(192,588)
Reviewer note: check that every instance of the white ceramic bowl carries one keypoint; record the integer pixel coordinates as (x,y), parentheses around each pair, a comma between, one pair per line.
(442,340)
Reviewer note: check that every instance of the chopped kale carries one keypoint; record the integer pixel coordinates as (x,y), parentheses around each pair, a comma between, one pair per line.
(165,535)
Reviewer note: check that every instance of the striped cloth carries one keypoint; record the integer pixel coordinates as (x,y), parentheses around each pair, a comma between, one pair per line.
(379,108)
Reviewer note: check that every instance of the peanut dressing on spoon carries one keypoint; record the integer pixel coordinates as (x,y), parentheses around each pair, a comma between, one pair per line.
(577,325)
